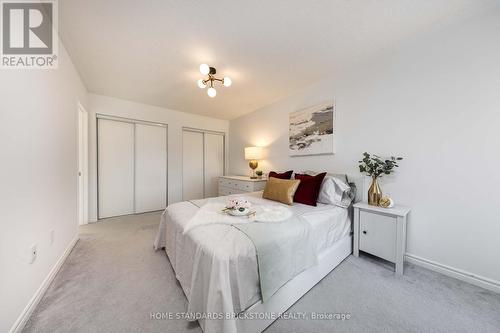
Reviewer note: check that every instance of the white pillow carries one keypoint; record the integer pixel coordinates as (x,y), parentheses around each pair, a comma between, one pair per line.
(334,192)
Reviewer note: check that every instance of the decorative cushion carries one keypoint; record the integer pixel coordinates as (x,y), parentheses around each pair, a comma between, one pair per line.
(284,175)
(281,190)
(309,187)
(335,190)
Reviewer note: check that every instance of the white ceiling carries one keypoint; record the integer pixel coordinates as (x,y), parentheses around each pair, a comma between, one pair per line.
(149,51)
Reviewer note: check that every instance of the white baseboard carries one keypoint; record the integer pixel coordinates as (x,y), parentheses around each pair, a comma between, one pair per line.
(459,274)
(28,310)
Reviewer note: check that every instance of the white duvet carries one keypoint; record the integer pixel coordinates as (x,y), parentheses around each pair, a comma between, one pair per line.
(216,265)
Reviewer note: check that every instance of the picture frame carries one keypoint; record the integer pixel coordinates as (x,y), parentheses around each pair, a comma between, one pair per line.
(312,130)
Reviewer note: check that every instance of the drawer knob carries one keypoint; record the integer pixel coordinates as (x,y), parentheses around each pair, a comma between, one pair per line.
(364,232)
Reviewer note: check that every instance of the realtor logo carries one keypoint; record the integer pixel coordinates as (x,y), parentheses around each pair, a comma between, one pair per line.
(29,34)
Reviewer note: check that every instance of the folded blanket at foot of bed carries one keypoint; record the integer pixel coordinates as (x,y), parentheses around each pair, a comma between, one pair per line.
(284,248)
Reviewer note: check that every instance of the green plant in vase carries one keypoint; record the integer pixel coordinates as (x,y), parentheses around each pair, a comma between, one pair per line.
(259,173)
(375,167)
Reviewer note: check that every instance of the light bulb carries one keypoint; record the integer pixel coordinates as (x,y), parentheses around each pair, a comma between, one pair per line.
(212,92)
(201,84)
(227,82)
(204,69)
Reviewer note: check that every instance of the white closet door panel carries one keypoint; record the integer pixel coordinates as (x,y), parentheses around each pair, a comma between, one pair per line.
(116,168)
(150,168)
(214,163)
(192,165)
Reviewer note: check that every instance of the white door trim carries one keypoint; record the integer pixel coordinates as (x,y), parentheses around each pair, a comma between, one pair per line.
(83,165)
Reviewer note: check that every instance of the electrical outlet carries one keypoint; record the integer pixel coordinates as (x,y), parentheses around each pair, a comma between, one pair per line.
(52,236)
(33,253)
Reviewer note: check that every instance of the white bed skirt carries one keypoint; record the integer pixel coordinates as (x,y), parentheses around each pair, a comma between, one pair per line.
(292,291)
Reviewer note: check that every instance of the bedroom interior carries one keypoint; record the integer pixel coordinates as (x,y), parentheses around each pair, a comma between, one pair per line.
(242,167)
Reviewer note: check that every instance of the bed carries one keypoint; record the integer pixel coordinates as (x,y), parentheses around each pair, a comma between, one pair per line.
(217,267)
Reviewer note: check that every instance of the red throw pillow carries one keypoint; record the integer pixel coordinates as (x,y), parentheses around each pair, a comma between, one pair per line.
(284,175)
(308,191)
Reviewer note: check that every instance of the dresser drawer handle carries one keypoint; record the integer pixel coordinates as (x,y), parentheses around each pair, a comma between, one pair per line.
(364,232)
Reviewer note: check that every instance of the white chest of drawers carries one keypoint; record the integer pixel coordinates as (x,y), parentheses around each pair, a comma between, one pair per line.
(239,184)
(381,232)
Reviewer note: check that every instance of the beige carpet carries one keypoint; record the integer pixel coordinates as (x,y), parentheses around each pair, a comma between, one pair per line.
(113,281)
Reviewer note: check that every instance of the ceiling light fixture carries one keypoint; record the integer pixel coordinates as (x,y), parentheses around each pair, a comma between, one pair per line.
(209,81)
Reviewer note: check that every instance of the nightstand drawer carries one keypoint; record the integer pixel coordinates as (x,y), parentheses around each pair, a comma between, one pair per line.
(243,186)
(236,184)
(227,182)
(259,186)
(239,184)
(378,234)
(223,191)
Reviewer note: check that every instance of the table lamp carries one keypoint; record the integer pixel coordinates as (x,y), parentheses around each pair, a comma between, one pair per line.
(253,154)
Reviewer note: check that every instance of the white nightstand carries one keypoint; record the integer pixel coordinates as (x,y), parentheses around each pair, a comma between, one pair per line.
(239,184)
(381,232)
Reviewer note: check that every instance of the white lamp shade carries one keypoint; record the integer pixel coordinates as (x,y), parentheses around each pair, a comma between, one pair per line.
(204,69)
(227,82)
(253,153)
(212,92)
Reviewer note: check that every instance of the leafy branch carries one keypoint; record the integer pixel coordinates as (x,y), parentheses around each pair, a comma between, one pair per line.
(376,166)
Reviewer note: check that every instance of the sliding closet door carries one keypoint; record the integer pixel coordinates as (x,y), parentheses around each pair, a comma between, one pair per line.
(214,163)
(192,165)
(115,168)
(150,168)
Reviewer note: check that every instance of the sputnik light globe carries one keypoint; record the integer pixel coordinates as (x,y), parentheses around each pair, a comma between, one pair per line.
(201,84)
(204,69)
(226,81)
(212,92)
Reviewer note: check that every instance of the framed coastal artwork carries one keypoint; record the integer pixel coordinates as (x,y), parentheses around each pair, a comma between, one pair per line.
(311,130)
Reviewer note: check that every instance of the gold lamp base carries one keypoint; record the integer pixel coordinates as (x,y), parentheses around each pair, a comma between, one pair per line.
(253,164)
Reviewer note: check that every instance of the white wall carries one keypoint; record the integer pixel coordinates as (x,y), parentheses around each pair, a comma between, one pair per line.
(176,120)
(38,177)
(434,100)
